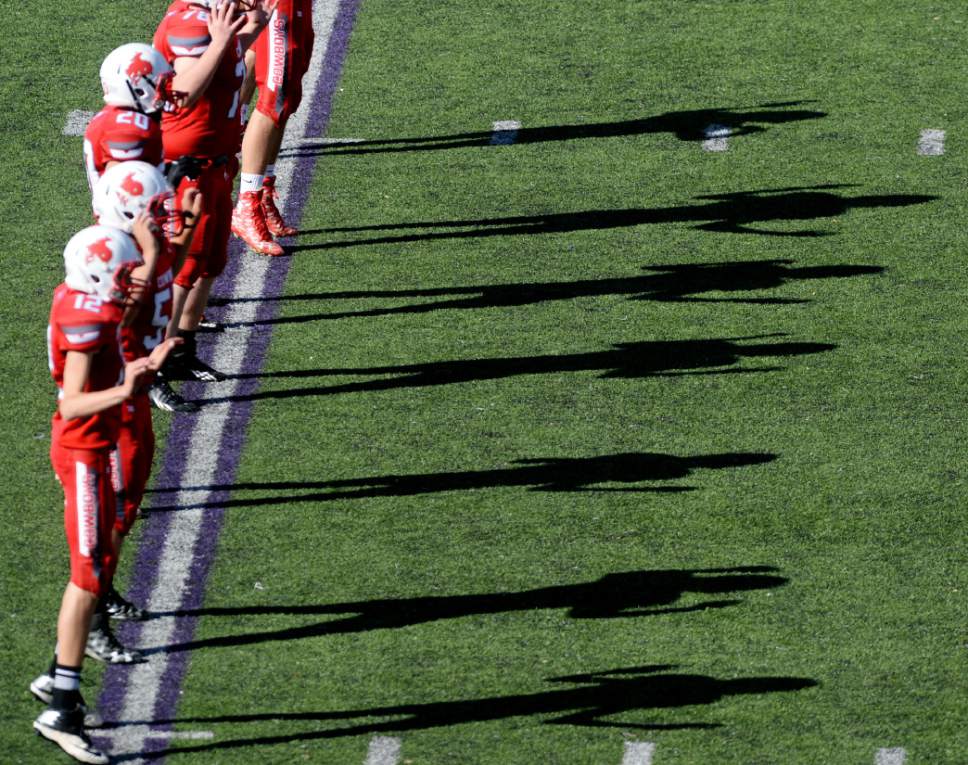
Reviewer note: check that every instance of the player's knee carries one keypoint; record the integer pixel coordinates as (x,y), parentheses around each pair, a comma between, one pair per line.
(275,112)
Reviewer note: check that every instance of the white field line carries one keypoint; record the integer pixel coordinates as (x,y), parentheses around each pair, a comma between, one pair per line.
(893,756)
(716,138)
(383,750)
(638,753)
(931,143)
(230,351)
(505,132)
(185,735)
(339,141)
(77,122)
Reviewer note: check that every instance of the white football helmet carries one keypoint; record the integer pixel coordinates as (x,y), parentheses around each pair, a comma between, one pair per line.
(138,77)
(98,260)
(127,189)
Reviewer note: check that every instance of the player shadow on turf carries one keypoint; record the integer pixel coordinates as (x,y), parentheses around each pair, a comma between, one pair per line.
(678,283)
(586,701)
(669,358)
(686,125)
(732,213)
(555,474)
(729,213)
(628,594)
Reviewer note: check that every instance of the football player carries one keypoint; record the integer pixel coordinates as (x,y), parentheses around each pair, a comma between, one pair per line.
(204,42)
(93,381)
(136,81)
(125,193)
(282,54)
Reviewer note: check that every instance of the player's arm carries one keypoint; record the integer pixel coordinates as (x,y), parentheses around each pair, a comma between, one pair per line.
(146,234)
(76,402)
(194,75)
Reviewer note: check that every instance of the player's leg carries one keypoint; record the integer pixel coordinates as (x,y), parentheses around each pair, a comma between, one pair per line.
(298,53)
(248,88)
(131,466)
(88,518)
(274,221)
(102,644)
(248,218)
(194,282)
(161,394)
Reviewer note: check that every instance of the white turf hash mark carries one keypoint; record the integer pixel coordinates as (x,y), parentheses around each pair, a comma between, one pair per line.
(77,122)
(186,735)
(383,750)
(505,132)
(931,143)
(716,138)
(638,753)
(894,756)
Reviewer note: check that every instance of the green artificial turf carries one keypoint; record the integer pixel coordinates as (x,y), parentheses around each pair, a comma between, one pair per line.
(592,438)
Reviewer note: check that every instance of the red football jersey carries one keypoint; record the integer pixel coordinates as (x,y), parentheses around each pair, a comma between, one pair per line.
(117,134)
(148,328)
(212,126)
(85,323)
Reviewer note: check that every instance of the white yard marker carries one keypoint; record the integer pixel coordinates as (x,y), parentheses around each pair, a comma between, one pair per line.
(185,735)
(716,138)
(340,141)
(931,143)
(384,750)
(505,133)
(894,756)
(638,753)
(77,122)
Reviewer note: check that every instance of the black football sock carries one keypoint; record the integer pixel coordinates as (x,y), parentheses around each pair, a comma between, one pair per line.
(189,346)
(67,687)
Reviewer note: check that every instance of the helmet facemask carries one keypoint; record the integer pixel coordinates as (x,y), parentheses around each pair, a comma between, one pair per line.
(169,221)
(126,289)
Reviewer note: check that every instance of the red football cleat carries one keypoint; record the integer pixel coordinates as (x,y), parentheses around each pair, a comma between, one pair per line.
(249,224)
(276,225)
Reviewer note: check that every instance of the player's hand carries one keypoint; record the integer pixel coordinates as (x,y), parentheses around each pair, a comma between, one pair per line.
(135,373)
(160,352)
(225,22)
(191,205)
(189,196)
(146,233)
(260,12)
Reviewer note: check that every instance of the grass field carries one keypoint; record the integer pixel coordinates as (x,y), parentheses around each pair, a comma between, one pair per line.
(592,438)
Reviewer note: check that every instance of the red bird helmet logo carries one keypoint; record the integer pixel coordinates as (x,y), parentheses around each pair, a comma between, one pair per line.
(138,67)
(132,186)
(99,250)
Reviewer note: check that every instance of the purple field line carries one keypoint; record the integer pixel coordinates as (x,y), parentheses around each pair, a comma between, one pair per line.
(155,527)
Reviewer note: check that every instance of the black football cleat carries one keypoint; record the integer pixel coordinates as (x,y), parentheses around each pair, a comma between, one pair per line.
(163,397)
(66,729)
(186,367)
(43,689)
(121,609)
